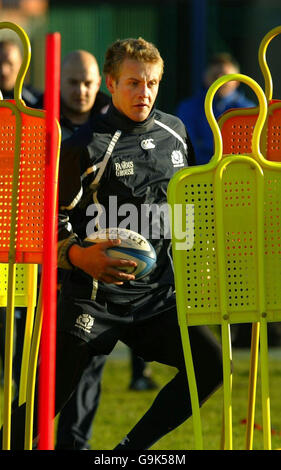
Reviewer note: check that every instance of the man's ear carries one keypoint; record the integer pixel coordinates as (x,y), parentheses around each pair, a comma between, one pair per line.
(110,83)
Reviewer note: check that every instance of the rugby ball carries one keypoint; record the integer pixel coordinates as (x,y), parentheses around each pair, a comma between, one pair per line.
(133,247)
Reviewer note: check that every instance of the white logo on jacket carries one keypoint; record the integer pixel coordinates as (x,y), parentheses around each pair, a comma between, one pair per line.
(177,158)
(85,322)
(124,168)
(147,144)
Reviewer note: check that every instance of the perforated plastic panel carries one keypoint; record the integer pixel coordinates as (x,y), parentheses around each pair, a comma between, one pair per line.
(31,198)
(29,240)
(239,197)
(201,277)
(237,130)
(239,189)
(273,136)
(7,145)
(272,240)
(25,285)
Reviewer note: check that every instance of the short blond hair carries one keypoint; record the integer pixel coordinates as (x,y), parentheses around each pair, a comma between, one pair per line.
(135,49)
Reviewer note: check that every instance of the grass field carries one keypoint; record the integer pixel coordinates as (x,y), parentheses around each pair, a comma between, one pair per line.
(120,408)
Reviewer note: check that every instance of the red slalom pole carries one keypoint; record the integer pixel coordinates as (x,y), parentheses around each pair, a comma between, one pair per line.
(46,411)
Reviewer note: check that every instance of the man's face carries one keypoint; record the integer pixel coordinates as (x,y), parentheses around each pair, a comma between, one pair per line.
(135,91)
(79,87)
(217,71)
(10,62)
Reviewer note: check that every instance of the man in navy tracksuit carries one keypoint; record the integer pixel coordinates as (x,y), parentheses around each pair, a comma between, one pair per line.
(192,112)
(122,162)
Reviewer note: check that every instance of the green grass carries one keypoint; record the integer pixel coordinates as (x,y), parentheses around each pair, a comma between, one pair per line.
(120,408)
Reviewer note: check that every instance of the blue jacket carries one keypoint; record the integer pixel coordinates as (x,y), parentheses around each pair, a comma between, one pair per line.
(191,112)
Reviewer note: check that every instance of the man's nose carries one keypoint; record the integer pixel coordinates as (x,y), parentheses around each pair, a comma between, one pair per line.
(4,69)
(144,90)
(82,89)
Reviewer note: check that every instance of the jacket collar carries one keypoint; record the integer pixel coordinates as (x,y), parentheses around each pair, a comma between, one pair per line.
(123,123)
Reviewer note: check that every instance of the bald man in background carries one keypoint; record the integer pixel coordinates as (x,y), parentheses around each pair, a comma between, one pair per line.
(81,99)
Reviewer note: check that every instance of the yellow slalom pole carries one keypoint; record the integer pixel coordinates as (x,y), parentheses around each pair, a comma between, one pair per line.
(31,378)
(265,384)
(32,284)
(8,366)
(252,385)
(186,346)
(11,284)
(225,326)
(196,417)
